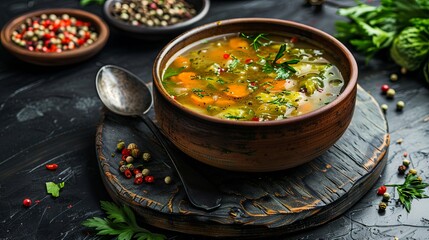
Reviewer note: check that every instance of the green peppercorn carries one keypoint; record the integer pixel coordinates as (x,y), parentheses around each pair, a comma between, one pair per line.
(382,206)
(419,179)
(390,93)
(406,162)
(129,159)
(393,77)
(120,146)
(402,169)
(146,156)
(400,105)
(413,171)
(135,152)
(130,166)
(384,107)
(145,172)
(386,197)
(167,180)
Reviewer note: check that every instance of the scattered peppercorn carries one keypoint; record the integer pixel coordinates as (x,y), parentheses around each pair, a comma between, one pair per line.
(167,180)
(403,70)
(149,179)
(135,152)
(146,156)
(382,206)
(386,197)
(405,154)
(128,173)
(393,77)
(120,146)
(381,190)
(153,13)
(122,163)
(131,146)
(27,202)
(384,88)
(52,167)
(413,171)
(130,166)
(145,172)
(136,171)
(406,162)
(122,168)
(400,105)
(138,180)
(402,169)
(53,33)
(390,93)
(126,152)
(384,107)
(129,159)
(139,175)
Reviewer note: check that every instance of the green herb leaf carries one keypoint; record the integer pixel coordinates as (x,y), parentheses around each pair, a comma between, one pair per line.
(258,40)
(412,188)
(199,92)
(280,53)
(233,64)
(120,221)
(54,188)
(172,72)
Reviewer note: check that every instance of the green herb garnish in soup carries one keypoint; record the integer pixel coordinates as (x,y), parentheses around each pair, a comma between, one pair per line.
(252,77)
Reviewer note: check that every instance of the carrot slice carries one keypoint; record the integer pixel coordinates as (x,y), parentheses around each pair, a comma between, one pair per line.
(238,43)
(181,61)
(305,107)
(273,85)
(237,91)
(188,79)
(202,101)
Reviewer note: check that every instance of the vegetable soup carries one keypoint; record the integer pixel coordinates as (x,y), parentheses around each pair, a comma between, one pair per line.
(252,77)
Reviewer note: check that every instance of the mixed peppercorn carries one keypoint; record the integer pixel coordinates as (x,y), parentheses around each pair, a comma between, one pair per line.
(129,154)
(52,33)
(153,12)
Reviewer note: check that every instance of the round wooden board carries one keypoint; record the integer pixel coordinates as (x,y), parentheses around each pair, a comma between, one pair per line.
(264,204)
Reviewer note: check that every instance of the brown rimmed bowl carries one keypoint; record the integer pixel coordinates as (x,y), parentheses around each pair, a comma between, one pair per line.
(256,146)
(54,58)
(155,33)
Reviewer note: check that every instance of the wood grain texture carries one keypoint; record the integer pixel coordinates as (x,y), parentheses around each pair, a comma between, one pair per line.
(263,204)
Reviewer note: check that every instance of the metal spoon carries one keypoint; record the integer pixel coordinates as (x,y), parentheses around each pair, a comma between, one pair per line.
(125,94)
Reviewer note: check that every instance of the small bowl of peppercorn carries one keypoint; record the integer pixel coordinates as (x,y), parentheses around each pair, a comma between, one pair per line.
(154,19)
(55,37)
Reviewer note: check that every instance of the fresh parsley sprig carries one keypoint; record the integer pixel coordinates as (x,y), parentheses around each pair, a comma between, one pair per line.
(412,188)
(258,40)
(120,221)
(283,70)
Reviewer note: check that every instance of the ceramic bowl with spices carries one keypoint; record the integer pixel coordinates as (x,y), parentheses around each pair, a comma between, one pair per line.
(154,20)
(53,37)
(254,94)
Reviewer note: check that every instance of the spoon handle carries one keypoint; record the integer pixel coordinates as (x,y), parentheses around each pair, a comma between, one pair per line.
(201,193)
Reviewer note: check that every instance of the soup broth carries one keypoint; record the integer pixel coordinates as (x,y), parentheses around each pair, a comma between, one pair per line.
(252,77)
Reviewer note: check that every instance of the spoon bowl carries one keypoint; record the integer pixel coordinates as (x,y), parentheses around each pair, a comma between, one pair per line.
(125,94)
(122,92)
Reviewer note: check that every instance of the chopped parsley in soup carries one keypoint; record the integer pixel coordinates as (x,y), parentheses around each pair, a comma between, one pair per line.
(252,77)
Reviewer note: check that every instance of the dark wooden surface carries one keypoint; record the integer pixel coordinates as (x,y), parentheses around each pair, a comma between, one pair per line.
(281,202)
(50,115)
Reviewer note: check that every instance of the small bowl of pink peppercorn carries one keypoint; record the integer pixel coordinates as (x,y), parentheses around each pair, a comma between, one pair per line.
(53,37)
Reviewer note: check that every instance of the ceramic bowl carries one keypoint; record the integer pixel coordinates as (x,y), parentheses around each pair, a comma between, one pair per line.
(248,145)
(155,33)
(54,58)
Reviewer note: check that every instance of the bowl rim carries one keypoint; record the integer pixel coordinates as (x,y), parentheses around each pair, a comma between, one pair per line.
(103,33)
(153,30)
(349,89)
